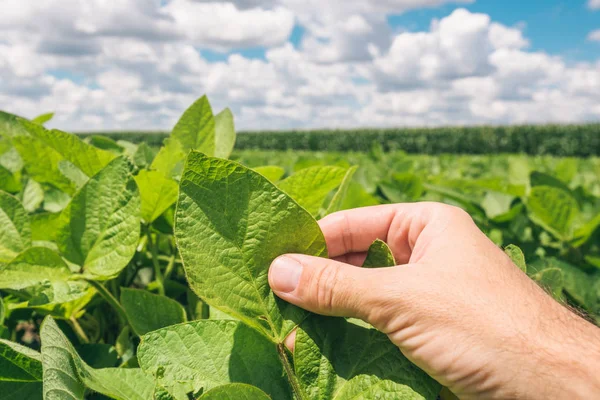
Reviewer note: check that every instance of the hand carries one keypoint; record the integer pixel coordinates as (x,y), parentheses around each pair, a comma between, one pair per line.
(456,305)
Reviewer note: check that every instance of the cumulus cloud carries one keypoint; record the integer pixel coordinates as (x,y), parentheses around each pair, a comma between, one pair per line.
(594,4)
(594,36)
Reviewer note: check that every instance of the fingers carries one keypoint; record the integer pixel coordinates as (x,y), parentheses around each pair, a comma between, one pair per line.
(324,286)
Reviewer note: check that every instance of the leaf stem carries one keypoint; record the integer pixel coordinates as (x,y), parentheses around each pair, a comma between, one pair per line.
(170,267)
(110,299)
(78,330)
(289,370)
(158,276)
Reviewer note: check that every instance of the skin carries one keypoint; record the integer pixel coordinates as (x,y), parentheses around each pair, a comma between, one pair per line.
(456,305)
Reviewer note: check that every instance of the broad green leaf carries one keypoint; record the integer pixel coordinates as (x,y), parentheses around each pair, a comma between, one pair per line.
(44,226)
(271,172)
(593,260)
(584,232)
(55,200)
(310,186)
(19,363)
(357,197)
(11,160)
(338,198)
(517,257)
(15,229)
(143,155)
(45,276)
(43,118)
(552,280)
(335,359)
(402,187)
(106,143)
(8,181)
(169,158)
(496,204)
(9,124)
(235,391)
(66,375)
(231,223)
(157,193)
(210,353)
(33,196)
(195,130)
(224,134)
(100,226)
(541,179)
(21,390)
(379,255)
(89,159)
(554,210)
(148,312)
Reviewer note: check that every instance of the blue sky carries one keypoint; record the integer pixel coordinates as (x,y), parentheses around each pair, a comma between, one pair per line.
(281,64)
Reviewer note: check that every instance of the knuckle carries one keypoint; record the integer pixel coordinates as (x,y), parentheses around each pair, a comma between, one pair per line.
(325,284)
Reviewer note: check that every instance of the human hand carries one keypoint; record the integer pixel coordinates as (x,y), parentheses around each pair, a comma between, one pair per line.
(456,305)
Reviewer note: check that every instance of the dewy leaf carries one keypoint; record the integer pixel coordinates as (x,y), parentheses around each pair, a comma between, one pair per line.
(15,231)
(42,119)
(157,193)
(516,255)
(379,255)
(45,276)
(553,209)
(100,226)
(271,172)
(340,195)
(231,223)
(335,359)
(235,391)
(148,312)
(19,363)
(89,159)
(224,134)
(310,186)
(66,375)
(210,353)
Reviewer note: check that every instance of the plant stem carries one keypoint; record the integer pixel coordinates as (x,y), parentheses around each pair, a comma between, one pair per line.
(289,370)
(78,330)
(158,277)
(110,299)
(170,267)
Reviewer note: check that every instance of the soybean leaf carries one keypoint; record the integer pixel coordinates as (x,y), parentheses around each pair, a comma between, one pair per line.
(43,118)
(33,196)
(100,226)
(15,235)
(402,187)
(19,363)
(9,124)
(335,359)
(271,172)
(45,276)
(235,391)
(338,198)
(55,200)
(517,257)
(44,226)
(169,158)
(98,355)
(148,312)
(496,204)
(143,155)
(554,210)
(310,186)
(231,223)
(21,390)
(157,193)
(357,197)
(224,134)
(210,353)
(552,280)
(8,181)
(542,179)
(66,375)
(584,232)
(379,255)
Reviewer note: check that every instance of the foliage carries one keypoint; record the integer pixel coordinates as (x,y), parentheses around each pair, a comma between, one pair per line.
(130,272)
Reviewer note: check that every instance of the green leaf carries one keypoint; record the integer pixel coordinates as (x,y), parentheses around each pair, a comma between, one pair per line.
(43,118)
(169,158)
(55,200)
(44,274)
(554,210)
(157,193)
(552,280)
(9,125)
(341,193)
(66,375)
(357,197)
(8,181)
(44,226)
(100,226)
(235,391)
(89,159)
(148,312)
(33,196)
(224,134)
(143,155)
(584,232)
(335,359)
(21,390)
(231,223)
(195,130)
(210,353)
(19,363)
(271,172)
(542,179)
(15,234)
(496,204)
(517,257)
(310,186)
(402,187)
(106,143)
(379,255)
(98,355)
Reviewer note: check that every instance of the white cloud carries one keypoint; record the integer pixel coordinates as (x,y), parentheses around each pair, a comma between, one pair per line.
(594,36)
(594,4)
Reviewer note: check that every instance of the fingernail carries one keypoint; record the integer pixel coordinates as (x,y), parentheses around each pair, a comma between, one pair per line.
(285,274)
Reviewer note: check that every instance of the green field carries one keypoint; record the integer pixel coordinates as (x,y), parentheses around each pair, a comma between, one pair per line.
(97,296)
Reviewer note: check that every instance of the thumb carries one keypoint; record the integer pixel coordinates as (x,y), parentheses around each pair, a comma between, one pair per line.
(324,286)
